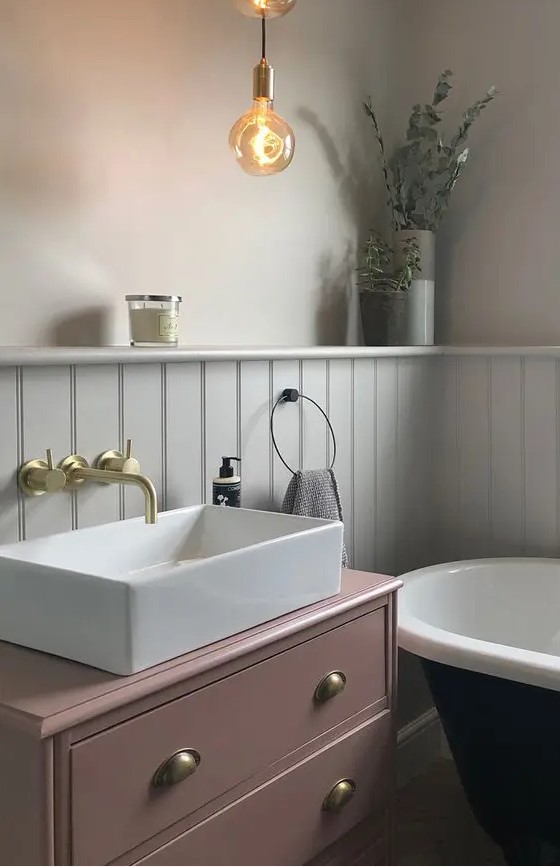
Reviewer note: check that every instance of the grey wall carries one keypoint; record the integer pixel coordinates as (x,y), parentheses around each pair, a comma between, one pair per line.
(116,176)
(497,280)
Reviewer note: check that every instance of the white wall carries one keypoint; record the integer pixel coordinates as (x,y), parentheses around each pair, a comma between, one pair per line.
(116,178)
(497,280)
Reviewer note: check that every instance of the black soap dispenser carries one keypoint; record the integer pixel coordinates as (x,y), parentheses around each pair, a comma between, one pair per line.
(226,488)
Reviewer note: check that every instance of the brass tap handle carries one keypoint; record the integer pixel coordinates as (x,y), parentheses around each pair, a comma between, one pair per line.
(176,768)
(117,462)
(38,477)
(332,684)
(340,795)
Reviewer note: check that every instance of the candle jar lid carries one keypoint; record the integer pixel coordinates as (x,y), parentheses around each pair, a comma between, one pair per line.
(175,298)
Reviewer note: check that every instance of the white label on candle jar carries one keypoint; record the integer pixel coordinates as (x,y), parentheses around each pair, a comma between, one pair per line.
(168,326)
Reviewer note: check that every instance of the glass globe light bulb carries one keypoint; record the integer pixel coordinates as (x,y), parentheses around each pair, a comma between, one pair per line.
(266,8)
(262,141)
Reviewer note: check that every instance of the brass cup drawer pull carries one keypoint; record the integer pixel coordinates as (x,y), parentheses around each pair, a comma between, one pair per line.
(176,768)
(332,684)
(340,795)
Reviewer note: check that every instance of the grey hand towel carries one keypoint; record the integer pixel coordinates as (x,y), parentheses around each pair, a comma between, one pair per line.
(315,494)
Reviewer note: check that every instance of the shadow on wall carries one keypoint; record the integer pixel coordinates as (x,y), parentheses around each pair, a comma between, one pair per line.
(463,214)
(338,312)
(88,327)
(335,299)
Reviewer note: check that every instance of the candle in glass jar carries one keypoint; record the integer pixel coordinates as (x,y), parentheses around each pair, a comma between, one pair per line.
(154,319)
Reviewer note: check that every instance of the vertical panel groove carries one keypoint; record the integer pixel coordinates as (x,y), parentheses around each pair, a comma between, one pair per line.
(120,387)
(270,446)
(523,459)
(73,441)
(239,445)
(164,467)
(557,395)
(300,420)
(490,450)
(328,446)
(375,465)
(20,439)
(397,473)
(203,432)
(352,461)
(459,540)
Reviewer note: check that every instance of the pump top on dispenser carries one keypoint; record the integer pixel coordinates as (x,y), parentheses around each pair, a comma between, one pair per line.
(226,488)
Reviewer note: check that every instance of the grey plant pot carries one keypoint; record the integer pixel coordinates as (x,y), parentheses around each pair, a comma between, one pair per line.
(383,317)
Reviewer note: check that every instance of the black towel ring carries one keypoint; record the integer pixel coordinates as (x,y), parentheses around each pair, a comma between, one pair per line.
(292,395)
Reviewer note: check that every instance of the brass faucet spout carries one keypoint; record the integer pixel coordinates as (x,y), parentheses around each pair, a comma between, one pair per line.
(122,478)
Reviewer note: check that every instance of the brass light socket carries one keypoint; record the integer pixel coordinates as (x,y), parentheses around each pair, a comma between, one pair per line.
(263,81)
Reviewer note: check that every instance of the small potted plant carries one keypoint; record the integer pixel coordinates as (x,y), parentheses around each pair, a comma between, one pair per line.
(384,281)
(420,177)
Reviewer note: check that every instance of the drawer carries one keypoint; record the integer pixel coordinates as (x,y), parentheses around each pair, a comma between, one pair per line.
(283,822)
(239,726)
(366,843)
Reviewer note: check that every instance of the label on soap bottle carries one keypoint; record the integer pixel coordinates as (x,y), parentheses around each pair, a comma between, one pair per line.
(227,494)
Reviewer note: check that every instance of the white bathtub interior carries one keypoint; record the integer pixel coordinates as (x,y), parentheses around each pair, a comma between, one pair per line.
(497,616)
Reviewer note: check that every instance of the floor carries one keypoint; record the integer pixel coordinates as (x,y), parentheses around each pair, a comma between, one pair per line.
(435,824)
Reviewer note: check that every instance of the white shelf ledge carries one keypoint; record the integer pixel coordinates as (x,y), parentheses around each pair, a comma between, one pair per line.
(16,356)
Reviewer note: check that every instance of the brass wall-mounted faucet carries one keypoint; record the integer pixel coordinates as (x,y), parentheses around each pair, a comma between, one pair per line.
(38,477)
(41,477)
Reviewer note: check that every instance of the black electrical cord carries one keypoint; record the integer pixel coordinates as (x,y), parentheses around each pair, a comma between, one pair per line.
(263,36)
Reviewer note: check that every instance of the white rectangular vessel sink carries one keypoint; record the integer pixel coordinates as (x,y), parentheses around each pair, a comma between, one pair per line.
(125,596)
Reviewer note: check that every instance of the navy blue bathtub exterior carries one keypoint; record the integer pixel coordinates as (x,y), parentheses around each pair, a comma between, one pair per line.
(505,739)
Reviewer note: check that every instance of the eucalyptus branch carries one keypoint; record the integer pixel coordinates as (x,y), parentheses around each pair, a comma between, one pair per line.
(421,174)
(368,108)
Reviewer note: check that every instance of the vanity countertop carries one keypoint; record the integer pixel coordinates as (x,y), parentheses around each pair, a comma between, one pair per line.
(47,694)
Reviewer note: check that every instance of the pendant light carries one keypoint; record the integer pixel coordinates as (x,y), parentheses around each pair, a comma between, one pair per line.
(262,141)
(268,8)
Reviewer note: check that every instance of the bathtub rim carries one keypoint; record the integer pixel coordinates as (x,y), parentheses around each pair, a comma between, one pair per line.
(473,654)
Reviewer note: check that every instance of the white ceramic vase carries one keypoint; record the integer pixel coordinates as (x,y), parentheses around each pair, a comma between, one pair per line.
(419,325)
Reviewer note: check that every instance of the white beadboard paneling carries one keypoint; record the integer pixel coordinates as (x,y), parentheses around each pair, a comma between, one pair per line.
(386,463)
(256,447)
(9,453)
(364,463)
(185,479)
(415,466)
(540,431)
(287,427)
(315,430)
(47,423)
(447,478)
(97,430)
(474,458)
(507,459)
(142,422)
(221,425)
(341,413)
(439,458)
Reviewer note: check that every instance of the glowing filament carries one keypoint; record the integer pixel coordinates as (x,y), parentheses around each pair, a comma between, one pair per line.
(267,146)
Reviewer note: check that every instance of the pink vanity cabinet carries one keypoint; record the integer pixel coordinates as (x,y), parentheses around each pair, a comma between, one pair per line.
(275,746)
